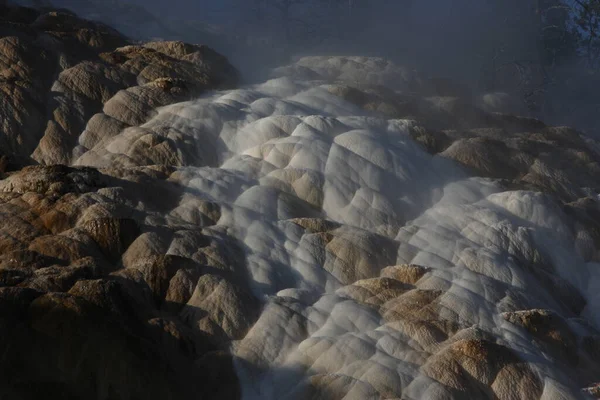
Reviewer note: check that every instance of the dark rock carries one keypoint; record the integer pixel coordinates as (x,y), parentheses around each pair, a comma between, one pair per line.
(113,235)
(550,329)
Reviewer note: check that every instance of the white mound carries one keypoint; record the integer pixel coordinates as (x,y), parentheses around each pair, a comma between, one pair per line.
(385,272)
(364,70)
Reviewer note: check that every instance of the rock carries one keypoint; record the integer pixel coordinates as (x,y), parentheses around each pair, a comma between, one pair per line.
(59,70)
(92,81)
(136,105)
(408,274)
(159,271)
(181,288)
(593,391)
(485,157)
(62,248)
(61,279)
(89,351)
(26,259)
(221,309)
(56,179)
(349,262)
(482,369)
(213,63)
(105,294)
(365,70)
(376,291)
(550,330)
(315,224)
(112,235)
(433,141)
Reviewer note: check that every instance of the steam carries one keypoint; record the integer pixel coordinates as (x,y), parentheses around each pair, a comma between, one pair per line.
(491,46)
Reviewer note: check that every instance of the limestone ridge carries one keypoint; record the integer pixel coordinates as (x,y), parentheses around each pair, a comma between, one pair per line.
(88,331)
(345,230)
(59,73)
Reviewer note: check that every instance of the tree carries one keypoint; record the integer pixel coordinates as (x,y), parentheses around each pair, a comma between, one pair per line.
(531,43)
(586,15)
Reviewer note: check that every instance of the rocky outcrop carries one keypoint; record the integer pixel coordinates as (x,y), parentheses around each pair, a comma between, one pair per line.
(59,290)
(479,134)
(76,323)
(59,71)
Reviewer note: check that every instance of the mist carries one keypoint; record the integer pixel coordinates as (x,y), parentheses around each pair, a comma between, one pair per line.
(490,46)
